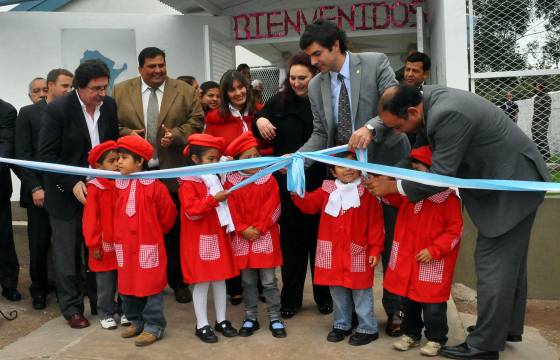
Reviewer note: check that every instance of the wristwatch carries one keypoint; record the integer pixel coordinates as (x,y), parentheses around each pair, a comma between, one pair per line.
(370,128)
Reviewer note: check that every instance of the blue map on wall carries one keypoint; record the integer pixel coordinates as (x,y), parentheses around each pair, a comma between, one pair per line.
(114,73)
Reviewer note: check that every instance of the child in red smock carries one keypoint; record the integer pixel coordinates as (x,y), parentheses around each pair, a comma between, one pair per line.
(97,227)
(206,256)
(255,209)
(144,212)
(350,240)
(422,262)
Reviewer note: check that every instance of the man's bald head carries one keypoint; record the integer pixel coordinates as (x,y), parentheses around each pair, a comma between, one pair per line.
(401,108)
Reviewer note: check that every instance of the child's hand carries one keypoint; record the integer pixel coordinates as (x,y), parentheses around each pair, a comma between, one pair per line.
(221,195)
(97,253)
(424,256)
(251,233)
(373,260)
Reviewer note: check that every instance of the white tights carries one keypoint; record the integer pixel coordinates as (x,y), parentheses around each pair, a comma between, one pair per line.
(200,301)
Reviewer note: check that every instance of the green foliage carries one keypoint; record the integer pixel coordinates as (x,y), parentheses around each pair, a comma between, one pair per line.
(499,25)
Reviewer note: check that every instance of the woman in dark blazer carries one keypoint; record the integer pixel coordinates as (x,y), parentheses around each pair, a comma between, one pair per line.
(287,121)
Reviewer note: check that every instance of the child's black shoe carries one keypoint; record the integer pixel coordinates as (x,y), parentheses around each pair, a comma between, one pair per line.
(249,327)
(225,328)
(337,335)
(206,334)
(362,339)
(278,329)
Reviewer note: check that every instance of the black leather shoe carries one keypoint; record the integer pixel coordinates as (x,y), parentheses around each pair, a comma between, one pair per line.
(236,299)
(337,335)
(225,328)
(278,329)
(11,294)
(183,295)
(464,351)
(287,313)
(249,327)
(39,301)
(509,338)
(325,308)
(206,334)
(514,338)
(362,339)
(394,322)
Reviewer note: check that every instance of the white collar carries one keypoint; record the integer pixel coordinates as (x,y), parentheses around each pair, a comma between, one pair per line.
(235,112)
(84,108)
(146,86)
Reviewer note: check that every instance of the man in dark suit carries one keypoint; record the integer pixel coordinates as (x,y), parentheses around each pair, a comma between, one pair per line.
(344,100)
(9,266)
(32,195)
(166,112)
(472,138)
(71,126)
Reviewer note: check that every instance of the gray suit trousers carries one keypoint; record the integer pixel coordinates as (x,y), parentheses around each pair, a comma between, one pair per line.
(67,250)
(501,270)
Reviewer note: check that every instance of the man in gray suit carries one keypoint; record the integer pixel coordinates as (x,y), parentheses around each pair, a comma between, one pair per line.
(473,139)
(344,100)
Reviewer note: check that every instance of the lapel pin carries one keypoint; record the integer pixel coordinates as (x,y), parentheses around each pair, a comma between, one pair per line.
(358,71)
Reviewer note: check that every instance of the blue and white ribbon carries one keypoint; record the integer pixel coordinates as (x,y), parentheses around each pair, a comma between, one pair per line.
(296,174)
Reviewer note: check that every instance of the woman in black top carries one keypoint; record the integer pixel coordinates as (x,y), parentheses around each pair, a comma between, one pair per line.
(287,121)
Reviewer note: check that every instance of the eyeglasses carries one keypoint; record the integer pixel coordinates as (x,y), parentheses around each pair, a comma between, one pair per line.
(98,89)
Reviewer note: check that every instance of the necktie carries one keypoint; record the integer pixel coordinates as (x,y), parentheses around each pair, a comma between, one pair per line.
(344,115)
(152,120)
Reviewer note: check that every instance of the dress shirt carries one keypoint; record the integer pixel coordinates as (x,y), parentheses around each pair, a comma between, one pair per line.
(91,122)
(145,98)
(335,87)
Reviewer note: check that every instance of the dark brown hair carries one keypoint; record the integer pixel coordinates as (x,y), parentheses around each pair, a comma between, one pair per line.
(226,83)
(300,58)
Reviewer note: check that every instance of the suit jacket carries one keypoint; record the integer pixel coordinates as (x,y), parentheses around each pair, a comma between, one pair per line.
(7,124)
(180,112)
(64,139)
(472,138)
(370,75)
(28,125)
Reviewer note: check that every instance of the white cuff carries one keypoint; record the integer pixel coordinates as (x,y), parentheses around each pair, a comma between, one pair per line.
(400,188)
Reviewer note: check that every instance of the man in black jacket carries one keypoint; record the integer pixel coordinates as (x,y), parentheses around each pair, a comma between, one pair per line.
(32,195)
(9,266)
(70,127)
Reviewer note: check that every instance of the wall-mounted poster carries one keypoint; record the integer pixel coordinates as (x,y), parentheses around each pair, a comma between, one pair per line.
(116,47)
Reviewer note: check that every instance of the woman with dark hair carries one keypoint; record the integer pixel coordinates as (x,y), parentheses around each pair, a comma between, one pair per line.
(287,121)
(236,111)
(232,118)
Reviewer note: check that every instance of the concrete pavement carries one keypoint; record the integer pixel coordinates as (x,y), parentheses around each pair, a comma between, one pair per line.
(306,339)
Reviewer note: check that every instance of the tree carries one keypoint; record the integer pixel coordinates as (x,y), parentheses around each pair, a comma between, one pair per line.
(499,25)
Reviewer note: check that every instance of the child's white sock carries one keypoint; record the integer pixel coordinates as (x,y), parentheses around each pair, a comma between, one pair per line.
(219,292)
(200,301)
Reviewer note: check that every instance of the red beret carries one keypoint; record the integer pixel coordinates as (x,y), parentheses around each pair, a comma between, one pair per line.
(137,145)
(241,143)
(99,150)
(422,154)
(205,140)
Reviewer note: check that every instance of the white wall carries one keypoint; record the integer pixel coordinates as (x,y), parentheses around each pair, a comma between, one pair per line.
(31,44)
(448,43)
